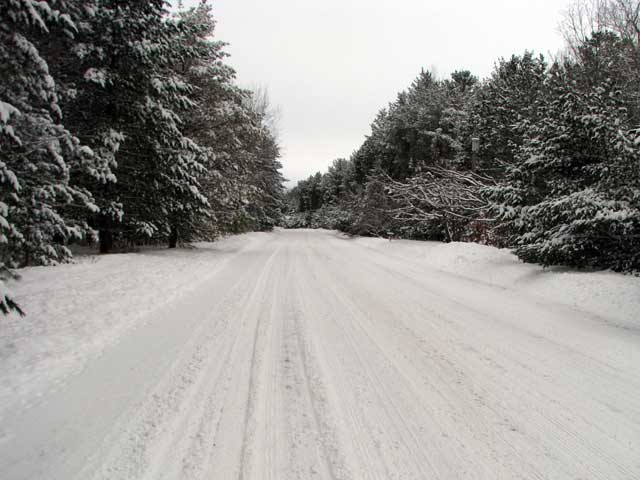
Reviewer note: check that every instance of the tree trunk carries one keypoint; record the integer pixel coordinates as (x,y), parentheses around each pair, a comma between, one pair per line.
(173,236)
(448,229)
(105,234)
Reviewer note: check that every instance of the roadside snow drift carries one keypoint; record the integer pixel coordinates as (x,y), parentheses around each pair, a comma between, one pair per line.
(612,296)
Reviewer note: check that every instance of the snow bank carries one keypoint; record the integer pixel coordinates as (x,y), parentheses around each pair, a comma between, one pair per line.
(74,311)
(612,296)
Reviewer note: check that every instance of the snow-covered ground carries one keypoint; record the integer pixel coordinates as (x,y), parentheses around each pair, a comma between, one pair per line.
(611,296)
(306,354)
(75,311)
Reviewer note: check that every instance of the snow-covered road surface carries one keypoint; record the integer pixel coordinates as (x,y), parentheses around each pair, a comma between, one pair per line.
(307,355)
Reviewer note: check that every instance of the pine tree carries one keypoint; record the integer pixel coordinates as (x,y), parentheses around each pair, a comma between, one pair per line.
(127,108)
(266,201)
(372,209)
(376,149)
(504,104)
(415,131)
(573,196)
(234,126)
(219,121)
(457,120)
(37,151)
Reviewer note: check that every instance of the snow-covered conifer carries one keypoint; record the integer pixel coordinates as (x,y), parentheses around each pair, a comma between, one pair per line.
(572,196)
(128,107)
(507,99)
(37,151)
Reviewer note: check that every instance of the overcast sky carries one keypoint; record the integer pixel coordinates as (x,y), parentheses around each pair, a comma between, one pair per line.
(330,65)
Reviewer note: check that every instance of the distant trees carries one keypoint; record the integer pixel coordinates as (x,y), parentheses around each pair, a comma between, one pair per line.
(557,172)
(385,188)
(122,124)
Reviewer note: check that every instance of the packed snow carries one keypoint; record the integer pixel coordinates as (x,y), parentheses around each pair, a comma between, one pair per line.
(309,354)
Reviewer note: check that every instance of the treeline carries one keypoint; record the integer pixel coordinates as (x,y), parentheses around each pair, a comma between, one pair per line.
(541,157)
(121,124)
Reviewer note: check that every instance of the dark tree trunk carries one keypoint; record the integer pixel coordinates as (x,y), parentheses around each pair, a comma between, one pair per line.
(27,257)
(105,234)
(106,240)
(173,236)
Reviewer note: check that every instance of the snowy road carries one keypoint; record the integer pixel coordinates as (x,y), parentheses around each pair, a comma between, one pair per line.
(308,356)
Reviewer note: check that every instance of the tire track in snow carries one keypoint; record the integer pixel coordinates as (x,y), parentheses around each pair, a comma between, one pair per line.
(578,436)
(309,357)
(261,331)
(399,450)
(287,433)
(146,446)
(199,442)
(525,449)
(399,381)
(313,381)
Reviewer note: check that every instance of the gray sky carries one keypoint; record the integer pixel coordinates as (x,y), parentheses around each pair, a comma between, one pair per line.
(330,65)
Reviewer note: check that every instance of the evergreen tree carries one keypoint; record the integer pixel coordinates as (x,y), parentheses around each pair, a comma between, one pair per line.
(457,118)
(266,198)
(37,151)
(372,210)
(505,103)
(266,204)
(128,108)
(415,132)
(573,196)
(337,183)
(376,149)
(221,123)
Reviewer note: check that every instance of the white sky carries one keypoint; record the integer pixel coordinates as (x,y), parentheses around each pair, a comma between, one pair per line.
(330,65)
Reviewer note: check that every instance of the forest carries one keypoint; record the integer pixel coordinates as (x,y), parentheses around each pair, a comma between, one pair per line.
(121,124)
(542,157)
